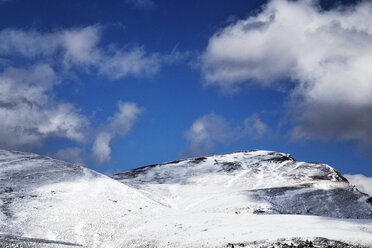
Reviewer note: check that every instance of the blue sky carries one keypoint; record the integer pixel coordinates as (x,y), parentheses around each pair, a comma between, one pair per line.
(121,84)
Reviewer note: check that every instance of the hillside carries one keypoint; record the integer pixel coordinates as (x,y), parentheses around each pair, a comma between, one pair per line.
(251,199)
(50,202)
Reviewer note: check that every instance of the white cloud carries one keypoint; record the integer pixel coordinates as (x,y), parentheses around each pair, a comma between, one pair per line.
(135,62)
(63,121)
(210,129)
(326,54)
(119,124)
(254,126)
(204,132)
(362,182)
(28,43)
(122,121)
(28,111)
(101,148)
(79,47)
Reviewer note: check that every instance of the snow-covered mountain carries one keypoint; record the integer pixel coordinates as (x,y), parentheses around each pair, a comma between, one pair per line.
(250,198)
(252,182)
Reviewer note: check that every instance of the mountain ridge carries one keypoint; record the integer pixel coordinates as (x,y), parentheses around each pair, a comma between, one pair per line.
(277,178)
(284,158)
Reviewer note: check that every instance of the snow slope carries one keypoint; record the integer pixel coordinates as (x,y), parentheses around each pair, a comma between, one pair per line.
(252,199)
(58,203)
(251,196)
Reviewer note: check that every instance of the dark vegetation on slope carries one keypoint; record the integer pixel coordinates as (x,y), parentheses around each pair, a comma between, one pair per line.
(10,241)
(295,243)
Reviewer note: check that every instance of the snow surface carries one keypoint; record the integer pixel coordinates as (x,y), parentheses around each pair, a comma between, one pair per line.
(214,201)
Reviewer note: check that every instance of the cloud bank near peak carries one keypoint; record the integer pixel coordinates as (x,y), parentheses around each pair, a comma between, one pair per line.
(362,182)
(325,54)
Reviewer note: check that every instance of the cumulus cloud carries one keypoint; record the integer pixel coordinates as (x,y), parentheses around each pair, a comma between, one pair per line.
(28,111)
(210,129)
(362,182)
(326,54)
(118,124)
(32,63)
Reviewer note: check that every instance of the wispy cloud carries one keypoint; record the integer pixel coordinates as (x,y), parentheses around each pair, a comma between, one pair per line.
(212,129)
(118,124)
(79,48)
(254,126)
(204,132)
(101,149)
(29,109)
(362,182)
(134,62)
(326,54)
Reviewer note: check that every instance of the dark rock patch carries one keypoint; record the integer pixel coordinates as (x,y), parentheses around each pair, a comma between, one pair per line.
(198,160)
(295,243)
(280,159)
(331,202)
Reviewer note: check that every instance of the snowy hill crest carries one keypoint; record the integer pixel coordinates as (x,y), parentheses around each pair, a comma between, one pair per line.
(253,181)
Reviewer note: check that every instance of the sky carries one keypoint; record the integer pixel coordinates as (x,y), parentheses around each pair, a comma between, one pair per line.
(119,84)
